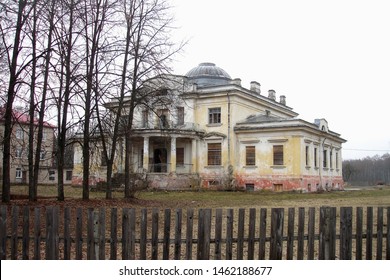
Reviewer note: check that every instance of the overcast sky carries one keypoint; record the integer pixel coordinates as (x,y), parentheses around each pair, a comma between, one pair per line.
(331,59)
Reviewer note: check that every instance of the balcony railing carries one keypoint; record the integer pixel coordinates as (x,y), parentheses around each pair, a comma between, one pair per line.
(166,168)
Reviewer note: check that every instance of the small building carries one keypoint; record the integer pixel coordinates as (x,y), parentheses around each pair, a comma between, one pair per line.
(19,151)
(214,133)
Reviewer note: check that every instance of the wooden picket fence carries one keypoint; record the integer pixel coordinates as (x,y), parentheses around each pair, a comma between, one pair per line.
(264,233)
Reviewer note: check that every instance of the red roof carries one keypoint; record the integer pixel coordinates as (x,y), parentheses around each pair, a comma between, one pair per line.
(23,118)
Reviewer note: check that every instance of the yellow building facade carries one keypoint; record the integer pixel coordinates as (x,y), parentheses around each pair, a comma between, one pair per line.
(214,133)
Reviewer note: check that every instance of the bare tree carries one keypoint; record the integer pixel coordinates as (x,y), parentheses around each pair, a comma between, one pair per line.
(21,11)
(151,51)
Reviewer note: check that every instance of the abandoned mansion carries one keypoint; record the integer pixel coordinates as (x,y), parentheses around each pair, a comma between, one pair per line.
(205,130)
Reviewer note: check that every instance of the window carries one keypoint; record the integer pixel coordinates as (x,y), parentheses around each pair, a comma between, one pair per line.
(18,152)
(214,154)
(250,187)
(325,159)
(331,159)
(315,157)
(337,160)
(250,158)
(19,133)
(163,118)
(179,156)
(307,155)
(145,118)
(19,173)
(214,115)
(52,175)
(180,115)
(278,155)
(68,175)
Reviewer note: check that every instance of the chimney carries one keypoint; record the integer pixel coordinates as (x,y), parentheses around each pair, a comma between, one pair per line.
(283,100)
(255,86)
(236,81)
(272,94)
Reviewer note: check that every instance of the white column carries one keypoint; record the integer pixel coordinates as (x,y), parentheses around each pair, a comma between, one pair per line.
(146,153)
(173,154)
(194,156)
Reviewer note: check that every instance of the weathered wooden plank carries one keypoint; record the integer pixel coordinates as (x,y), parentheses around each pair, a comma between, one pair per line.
(79,234)
(311,234)
(290,233)
(132,233)
(91,220)
(263,233)
(277,222)
(229,233)
(56,235)
(167,234)
(204,230)
(14,232)
(369,234)
(359,233)
(126,234)
(218,234)
(240,233)
(49,245)
(26,233)
(37,233)
(178,229)
(155,216)
(379,233)
(189,233)
(144,232)
(102,233)
(114,234)
(67,238)
(327,233)
(301,233)
(251,233)
(3,232)
(346,233)
(388,234)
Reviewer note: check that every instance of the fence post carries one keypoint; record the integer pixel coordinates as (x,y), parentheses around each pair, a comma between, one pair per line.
(79,234)
(251,233)
(204,227)
(218,234)
(277,222)
(263,233)
(301,232)
(327,233)
(26,233)
(167,233)
(290,233)
(370,222)
(388,234)
(3,232)
(229,234)
(379,233)
(189,233)
(346,233)
(178,228)
(92,235)
(240,233)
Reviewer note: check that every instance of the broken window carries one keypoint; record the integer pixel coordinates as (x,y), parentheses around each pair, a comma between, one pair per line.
(278,155)
(214,115)
(250,155)
(214,154)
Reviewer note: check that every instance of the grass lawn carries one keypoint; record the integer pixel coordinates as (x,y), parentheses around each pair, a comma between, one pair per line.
(374,196)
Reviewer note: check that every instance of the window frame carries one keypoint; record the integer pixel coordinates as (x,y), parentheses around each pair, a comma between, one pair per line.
(214,154)
(180,156)
(278,155)
(214,115)
(18,173)
(250,155)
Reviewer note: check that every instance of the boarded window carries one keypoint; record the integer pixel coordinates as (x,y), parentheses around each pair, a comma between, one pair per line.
(214,154)
(179,156)
(250,155)
(214,115)
(278,155)
(180,115)
(278,187)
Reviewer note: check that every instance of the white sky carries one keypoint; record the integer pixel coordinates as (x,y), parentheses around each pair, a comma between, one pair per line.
(330,58)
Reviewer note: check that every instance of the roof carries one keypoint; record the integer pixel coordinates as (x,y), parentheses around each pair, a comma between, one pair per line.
(23,118)
(208,74)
